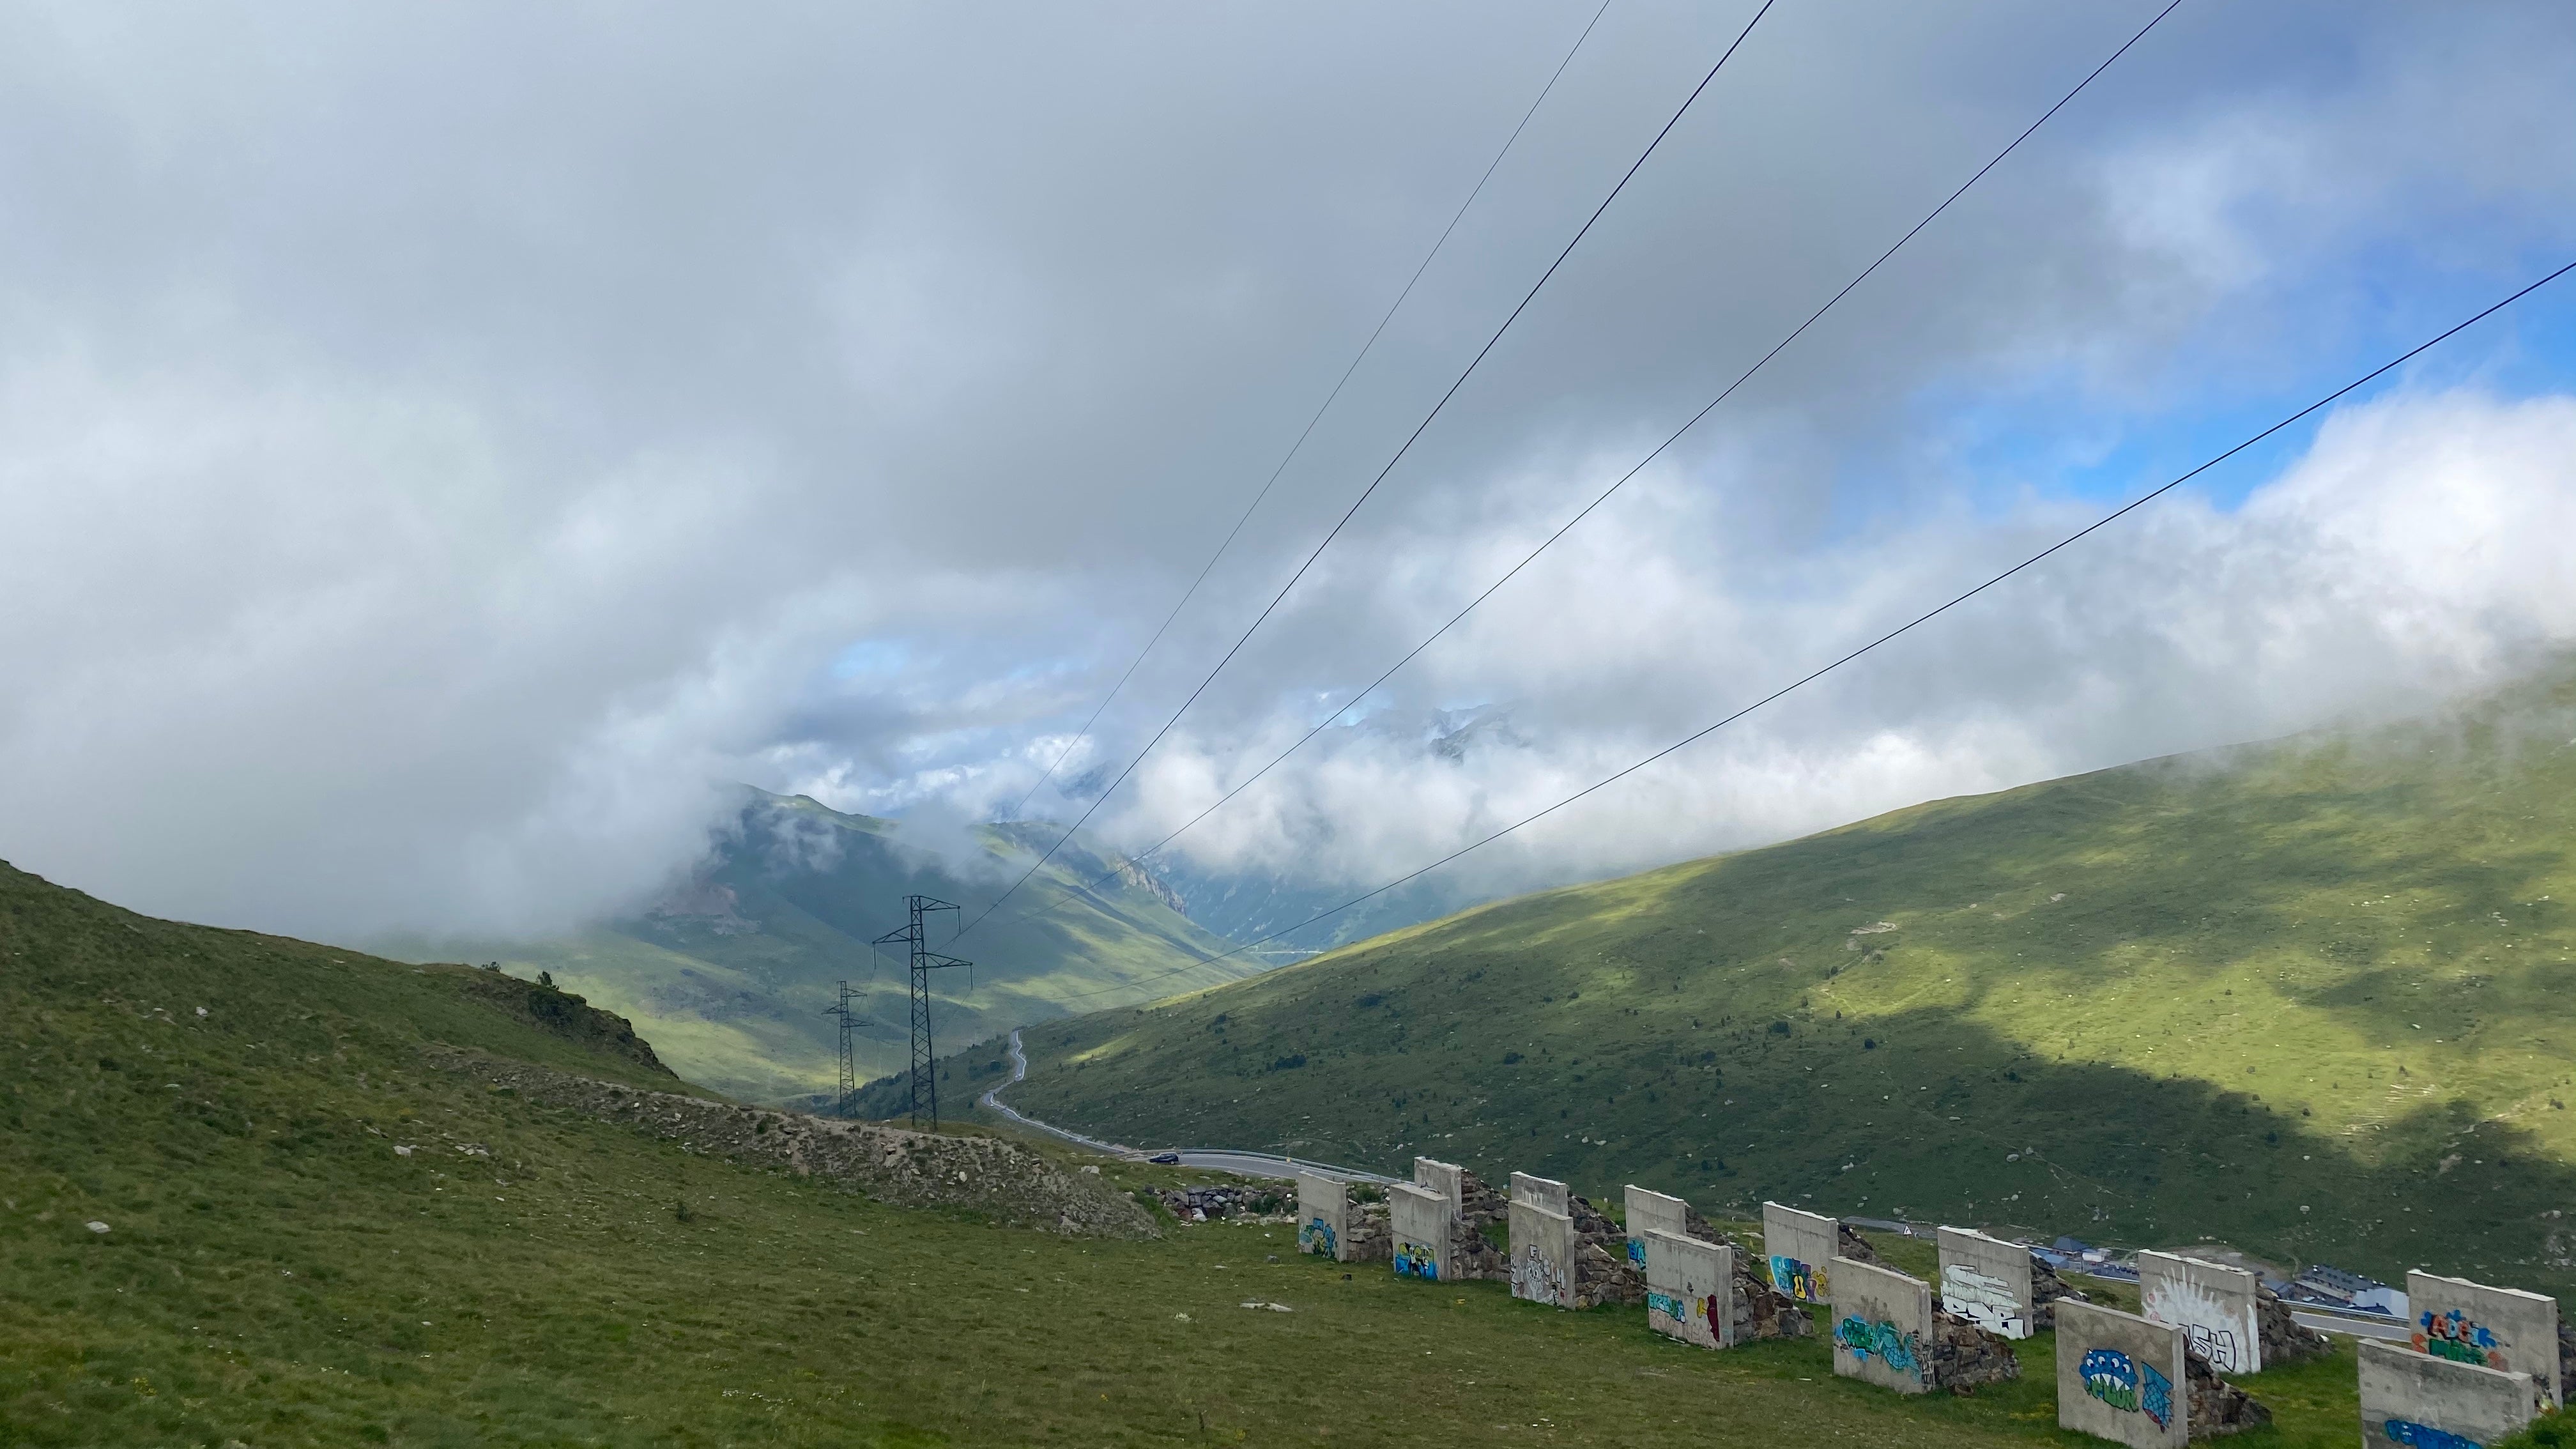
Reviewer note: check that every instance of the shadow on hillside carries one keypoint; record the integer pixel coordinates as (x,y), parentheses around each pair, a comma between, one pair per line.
(1814,1117)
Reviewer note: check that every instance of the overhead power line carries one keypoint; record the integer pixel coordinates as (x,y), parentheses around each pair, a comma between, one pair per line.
(1604,495)
(1908,626)
(1418,430)
(1327,405)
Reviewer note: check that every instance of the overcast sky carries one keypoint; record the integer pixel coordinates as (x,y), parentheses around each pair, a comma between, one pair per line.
(441,445)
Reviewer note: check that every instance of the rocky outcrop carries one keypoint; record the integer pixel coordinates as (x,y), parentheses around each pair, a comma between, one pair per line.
(1966,1358)
(2284,1339)
(888,1164)
(2217,1406)
(557,1013)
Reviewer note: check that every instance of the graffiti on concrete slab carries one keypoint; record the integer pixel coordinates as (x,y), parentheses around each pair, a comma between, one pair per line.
(2459,1338)
(2127,1385)
(1669,1312)
(2219,1332)
(1799,1280)
(1413,1260)
(1984,1300)
(1317,1237)
(2218,1345)
(2424,1436)
(1884,1341)
(1537,1278)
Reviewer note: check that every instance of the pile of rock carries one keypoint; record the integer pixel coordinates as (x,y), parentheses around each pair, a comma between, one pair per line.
(1602,1271)
(888,1164)
(2217,1406)
(2045,1289)
(1366,1235)
(1206,1204)
(1484,1218)
(1966,1357)
(2284,1339)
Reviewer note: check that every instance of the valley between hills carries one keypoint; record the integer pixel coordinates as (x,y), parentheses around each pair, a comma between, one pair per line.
(2308,997)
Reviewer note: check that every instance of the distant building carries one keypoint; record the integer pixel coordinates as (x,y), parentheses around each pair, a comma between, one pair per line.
(2326,1283)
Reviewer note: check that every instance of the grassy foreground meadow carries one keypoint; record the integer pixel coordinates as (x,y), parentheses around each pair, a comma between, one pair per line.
(275,1272)
(2308,997)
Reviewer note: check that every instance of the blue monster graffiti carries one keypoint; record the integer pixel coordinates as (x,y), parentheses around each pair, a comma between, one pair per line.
(1882,1341)
(1796,1279)
(1317,1237)
(2127,1385)
(2110,1375)
(2424,1436)
(1413,1260)
(1637,1251)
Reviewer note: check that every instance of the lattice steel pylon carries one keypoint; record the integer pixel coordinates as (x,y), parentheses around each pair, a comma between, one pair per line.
(849,1104)
(925,1074)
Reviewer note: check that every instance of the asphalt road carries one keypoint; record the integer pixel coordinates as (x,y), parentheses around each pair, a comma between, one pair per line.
(1216,1159)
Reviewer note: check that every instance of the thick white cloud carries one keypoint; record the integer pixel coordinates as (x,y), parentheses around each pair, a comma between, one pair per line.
(438,447)
(2413,553)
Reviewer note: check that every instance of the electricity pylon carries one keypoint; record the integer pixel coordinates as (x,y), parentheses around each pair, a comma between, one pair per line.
(849,1064)
(925,1075)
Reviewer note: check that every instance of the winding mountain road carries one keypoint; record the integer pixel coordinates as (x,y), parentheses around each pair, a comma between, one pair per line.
(1218,1159)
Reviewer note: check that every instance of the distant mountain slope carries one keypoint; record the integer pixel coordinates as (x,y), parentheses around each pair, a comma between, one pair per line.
(729,976)
(2312,996)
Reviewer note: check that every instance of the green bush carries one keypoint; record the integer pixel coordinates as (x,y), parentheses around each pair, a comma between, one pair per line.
(2549,1431)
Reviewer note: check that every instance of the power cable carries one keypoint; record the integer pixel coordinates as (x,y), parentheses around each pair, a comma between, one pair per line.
(1697,735)
(1293,448)
(1604,495)
(1419,429)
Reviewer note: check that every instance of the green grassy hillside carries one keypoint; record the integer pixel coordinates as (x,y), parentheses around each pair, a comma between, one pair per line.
(2310,997)
(275,1273)
(729,976)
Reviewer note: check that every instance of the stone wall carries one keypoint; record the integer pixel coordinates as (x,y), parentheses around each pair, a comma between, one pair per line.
(888,1164)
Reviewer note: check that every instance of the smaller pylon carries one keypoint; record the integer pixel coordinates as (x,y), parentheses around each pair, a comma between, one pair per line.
(849,1104)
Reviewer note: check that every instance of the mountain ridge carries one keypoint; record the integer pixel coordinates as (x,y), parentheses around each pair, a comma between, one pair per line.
(2210,995)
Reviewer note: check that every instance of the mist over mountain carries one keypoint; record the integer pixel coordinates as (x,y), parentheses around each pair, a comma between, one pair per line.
(729,970)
